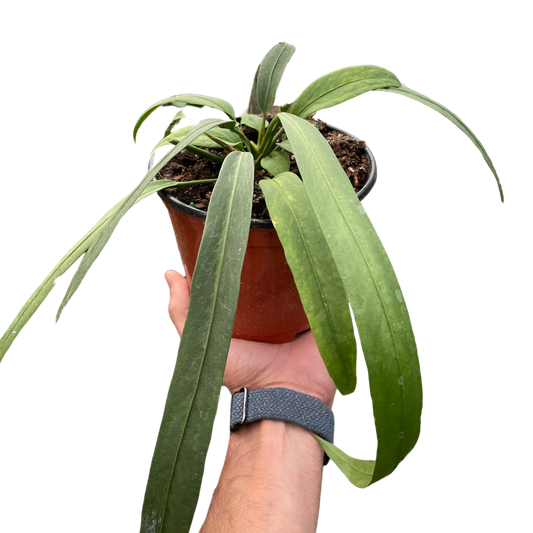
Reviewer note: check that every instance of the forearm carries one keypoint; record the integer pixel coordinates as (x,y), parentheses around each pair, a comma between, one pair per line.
(270,481)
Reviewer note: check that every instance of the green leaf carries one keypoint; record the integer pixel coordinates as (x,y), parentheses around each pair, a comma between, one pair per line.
(358,471)
(37,298)
(182,100)
(405,91)
(202,140)
(341,85)
(178,462)
(286,145)
(270,72)
(99,243)
(276,163)
(375,296)
(175,121)
(252,105)
(252,121)
(315,274)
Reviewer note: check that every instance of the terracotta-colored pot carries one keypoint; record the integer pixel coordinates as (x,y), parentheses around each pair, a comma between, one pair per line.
(269,308)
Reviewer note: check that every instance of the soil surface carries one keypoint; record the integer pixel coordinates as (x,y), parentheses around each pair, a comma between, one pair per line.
(187,166)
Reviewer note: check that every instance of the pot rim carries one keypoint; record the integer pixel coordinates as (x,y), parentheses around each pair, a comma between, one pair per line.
(266,223)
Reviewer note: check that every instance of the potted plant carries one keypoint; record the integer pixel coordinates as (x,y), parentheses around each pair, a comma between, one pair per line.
(269,307)
(335,256)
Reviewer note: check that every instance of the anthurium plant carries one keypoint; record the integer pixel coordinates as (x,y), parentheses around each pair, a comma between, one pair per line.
(335,255)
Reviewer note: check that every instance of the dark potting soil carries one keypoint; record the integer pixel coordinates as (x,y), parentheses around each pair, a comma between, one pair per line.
(189,167)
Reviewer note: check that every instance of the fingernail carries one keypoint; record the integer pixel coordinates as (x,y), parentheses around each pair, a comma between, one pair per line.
(168,279)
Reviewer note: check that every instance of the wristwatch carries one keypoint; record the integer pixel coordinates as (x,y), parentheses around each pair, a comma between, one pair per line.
(284,405)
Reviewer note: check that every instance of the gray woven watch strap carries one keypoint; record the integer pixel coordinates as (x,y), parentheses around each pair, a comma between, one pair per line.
(284,405)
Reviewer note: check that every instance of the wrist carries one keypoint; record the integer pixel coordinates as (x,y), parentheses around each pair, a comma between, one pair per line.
(264,433)
(284,405)
(275,468)
(277,445)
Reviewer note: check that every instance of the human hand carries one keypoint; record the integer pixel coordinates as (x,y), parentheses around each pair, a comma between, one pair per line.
(295,365)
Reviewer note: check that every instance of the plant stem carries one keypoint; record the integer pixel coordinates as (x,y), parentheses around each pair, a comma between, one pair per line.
(270,138)
(204,153)
(221,143)
(261,129)
(251,148)
(274,139)
(196,182)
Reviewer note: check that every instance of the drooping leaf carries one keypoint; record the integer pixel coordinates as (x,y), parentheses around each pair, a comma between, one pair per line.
(102,238)
(178,462)
(315,274)
(37,298)
(375,296)
(182,100)
(358,471)
(341,85)
(459,124)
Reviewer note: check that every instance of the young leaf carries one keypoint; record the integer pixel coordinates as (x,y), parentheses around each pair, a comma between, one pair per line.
(178,462)
(375,296)
(276,163)
(252,105)
(315,274)
(341,85)
(252,121)
(286,145)
(271,73)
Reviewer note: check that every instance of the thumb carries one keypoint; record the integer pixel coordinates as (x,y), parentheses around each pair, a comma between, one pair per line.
(179,298)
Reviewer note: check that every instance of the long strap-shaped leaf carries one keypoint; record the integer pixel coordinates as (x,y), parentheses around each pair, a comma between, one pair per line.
(37,298)
(204,141)
(178,462)
(276,53)
(341,85)
(269,74)
(405,91)
(346,83)
(181,100)
(358,471)
(323,298)
(315,274)
(374,293)
(102,238)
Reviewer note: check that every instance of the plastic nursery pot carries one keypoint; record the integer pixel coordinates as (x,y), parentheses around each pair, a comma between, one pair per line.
(269,308)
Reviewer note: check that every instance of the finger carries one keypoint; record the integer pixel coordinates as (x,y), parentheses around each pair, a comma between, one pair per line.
(179,298)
